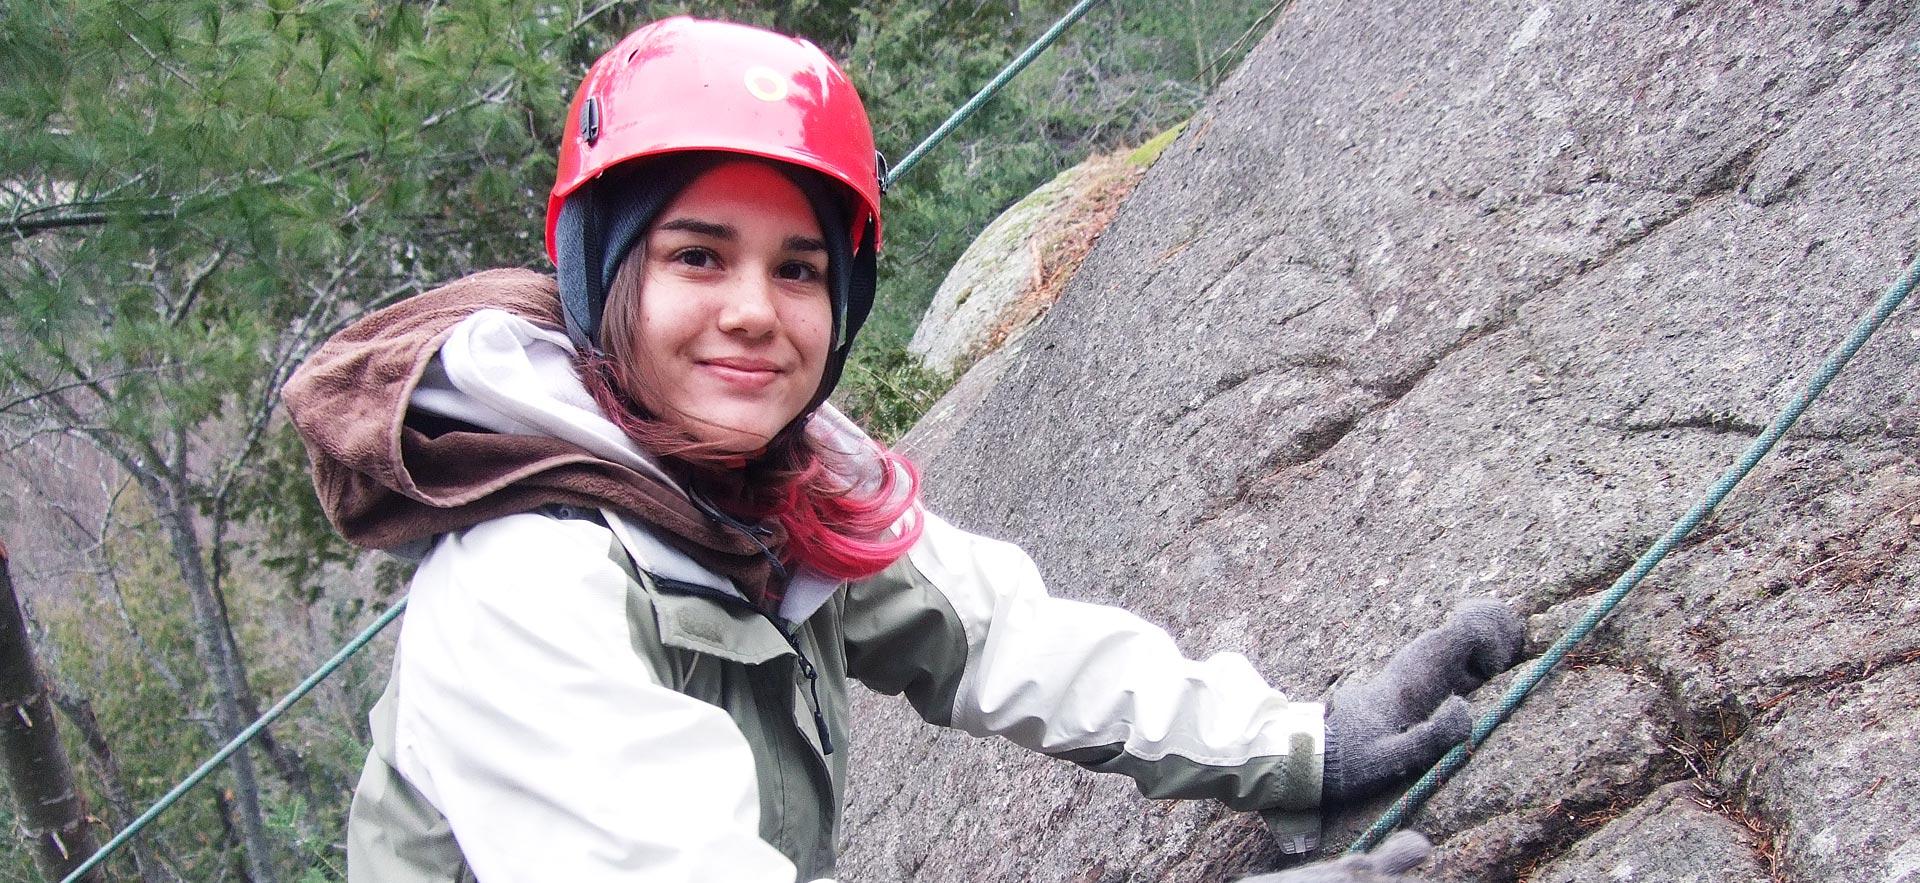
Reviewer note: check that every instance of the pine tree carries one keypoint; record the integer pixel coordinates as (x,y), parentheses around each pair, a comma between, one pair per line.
(196,193)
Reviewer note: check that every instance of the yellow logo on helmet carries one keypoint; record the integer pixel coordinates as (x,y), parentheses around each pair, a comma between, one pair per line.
(765,84)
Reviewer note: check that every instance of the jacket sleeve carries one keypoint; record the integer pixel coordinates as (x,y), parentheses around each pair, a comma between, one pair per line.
(964,628)
(528,720)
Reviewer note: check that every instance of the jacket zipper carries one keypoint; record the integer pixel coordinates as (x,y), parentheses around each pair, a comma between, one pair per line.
(758,534)
(813,682)
(792,637)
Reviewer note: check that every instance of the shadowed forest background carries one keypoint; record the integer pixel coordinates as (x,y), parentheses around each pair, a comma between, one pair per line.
(194,194)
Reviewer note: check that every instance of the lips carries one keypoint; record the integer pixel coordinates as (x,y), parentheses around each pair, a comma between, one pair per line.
(742,372)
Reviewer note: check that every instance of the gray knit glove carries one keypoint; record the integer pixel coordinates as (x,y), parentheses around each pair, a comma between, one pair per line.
(1404,718)
(1387,863)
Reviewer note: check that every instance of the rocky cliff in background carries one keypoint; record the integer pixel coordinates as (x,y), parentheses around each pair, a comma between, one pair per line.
(1015,269)
(1443,300)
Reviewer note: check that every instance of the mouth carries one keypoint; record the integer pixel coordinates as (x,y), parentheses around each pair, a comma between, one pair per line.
(742,372)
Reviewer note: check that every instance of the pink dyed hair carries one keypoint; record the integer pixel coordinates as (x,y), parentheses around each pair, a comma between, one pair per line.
(831,525)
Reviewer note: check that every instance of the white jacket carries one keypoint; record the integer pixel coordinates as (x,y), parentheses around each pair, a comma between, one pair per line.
(575,700)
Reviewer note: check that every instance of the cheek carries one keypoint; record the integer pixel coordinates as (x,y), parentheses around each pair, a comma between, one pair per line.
(662,325)
(813,329)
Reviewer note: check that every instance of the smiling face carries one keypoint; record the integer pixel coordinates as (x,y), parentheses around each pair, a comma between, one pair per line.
(723,314)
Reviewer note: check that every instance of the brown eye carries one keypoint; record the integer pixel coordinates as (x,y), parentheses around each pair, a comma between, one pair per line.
(798,271)
(699,258)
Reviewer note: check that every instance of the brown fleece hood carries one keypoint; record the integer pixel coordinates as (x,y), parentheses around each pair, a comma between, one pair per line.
(385,481)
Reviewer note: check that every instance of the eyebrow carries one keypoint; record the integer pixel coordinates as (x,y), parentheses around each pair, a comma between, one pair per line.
(702,228)
(726,233)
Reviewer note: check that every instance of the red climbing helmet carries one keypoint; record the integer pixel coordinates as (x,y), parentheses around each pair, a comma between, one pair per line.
(684,84)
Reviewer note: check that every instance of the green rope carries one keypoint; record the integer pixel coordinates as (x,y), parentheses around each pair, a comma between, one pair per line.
(959,116)
(987,92)
(1421,790)
(245,736)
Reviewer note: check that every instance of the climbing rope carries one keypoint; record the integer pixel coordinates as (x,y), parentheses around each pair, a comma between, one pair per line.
(272,714)
(1484,727)
(346,652)
(986,92)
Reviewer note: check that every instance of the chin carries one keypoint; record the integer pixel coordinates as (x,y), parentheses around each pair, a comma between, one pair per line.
(734,429)
(735,441)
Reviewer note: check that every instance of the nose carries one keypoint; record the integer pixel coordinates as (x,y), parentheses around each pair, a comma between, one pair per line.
(749,309)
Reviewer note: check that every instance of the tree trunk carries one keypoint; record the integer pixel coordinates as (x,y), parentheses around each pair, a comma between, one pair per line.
(285,760)
(79,712)
(42,781)
(218,654)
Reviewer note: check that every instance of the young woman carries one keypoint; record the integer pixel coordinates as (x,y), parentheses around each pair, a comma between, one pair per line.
(653,553)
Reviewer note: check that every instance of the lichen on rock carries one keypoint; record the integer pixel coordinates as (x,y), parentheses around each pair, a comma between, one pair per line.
(1016,268)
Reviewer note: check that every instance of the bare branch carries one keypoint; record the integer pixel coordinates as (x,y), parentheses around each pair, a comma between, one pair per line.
(83,378)
(298,345)
(495,95)
(386,298)
(23,228)
(198,281)
(179,449)
(112,192)
(138,457)
(84,382)
(593,13)
(158,61)
(25,225)
(25,440)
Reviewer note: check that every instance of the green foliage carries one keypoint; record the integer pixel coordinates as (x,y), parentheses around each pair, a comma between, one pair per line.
(1147,153)
(17,863)
(264,174)
(888,388)
(318,859)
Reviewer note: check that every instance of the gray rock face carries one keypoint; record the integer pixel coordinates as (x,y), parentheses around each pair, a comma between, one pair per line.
(1835,770)
(1597,735)
(1674,836)
(1444,300)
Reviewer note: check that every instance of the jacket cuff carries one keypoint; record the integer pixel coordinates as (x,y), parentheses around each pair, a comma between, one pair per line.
(1294,825)
(1294,831)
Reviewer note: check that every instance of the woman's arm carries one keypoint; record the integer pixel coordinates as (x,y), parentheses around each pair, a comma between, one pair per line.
(526,717)
(963,626)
